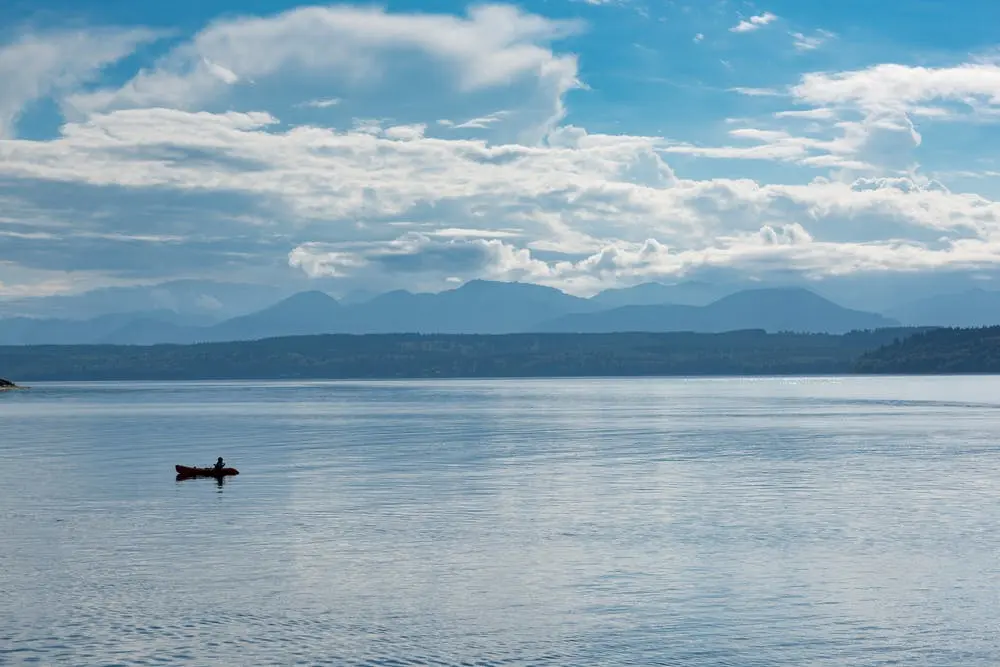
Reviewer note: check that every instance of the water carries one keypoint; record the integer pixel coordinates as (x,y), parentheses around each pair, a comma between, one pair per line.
(546,522)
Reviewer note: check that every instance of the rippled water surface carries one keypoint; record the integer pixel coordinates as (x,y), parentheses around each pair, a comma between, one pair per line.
(733,522)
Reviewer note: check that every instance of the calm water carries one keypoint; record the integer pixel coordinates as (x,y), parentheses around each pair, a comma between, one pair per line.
(587,522)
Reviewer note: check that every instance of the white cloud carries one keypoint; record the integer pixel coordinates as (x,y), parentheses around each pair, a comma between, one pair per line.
(863,120)
(758,92)
(769,250)
(223,74)
(803,42)
(321,103)
(872,144)
(819,113)
(406,132)
(892,87)
(37,65)
(358,49)
(186,168)
(754,23)
(625,212)
(481,122)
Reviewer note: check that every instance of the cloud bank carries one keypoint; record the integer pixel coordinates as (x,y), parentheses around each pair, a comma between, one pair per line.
(388,150)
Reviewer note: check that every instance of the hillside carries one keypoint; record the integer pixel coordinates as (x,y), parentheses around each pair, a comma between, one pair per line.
(938,351)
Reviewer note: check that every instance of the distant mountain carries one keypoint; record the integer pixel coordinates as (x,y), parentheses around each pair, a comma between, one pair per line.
(301,314)
(478,306)
(357,296)
(970,308)
(207,300)
(889,290)
(779,309)
(690,293)
(103,329)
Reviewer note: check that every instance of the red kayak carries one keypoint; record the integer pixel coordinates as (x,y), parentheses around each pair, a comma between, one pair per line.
(187,471)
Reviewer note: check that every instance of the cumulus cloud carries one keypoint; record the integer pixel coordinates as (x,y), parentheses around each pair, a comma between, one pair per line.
(864,120)
(754,23)
(361,50)
(416,173)
(38,64)
(763,253)
(893,87)
(873,143)
(612,201)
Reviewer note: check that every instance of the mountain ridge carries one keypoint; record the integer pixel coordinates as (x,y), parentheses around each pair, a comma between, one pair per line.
(480,307)
(771,309)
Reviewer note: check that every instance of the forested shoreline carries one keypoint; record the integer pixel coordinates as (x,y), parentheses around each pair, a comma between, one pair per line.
(375,356)
(943,351)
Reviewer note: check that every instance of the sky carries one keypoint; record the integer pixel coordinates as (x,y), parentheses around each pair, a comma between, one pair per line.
(581,144)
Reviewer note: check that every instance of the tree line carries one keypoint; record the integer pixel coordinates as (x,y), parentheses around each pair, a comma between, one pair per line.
(374,356)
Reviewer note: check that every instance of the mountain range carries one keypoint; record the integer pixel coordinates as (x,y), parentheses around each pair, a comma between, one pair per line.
(486,307)
(790,309)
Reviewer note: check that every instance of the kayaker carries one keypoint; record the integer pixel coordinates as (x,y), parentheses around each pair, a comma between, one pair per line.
(220,464)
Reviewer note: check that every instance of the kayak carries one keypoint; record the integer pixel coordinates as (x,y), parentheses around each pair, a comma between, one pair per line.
(187,471)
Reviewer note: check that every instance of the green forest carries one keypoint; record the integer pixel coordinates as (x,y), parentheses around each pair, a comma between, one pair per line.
(387,356)
(937,351)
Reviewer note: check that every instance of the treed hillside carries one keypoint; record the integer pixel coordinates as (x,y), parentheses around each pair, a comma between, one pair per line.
(937,351)
(342,356)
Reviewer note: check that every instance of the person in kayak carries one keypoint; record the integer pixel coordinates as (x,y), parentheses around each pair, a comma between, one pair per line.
(219,465)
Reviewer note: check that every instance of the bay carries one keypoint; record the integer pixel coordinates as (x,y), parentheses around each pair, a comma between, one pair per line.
(723,521)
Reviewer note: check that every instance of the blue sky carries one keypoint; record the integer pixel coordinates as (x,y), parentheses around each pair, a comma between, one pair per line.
(577,144)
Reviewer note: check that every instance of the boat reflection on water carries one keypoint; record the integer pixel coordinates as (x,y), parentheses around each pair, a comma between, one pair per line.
(220,480)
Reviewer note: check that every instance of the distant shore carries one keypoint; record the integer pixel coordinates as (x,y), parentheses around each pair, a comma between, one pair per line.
(440,356)
(747,353)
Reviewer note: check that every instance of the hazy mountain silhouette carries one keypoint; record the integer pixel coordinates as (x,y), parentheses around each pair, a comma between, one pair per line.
(479,306)
(209,301)
(690,293)
(778,309)
(301,314)
(102,329)
(970,308)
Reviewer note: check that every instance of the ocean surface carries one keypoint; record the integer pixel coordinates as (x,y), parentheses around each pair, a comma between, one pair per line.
(743,522)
